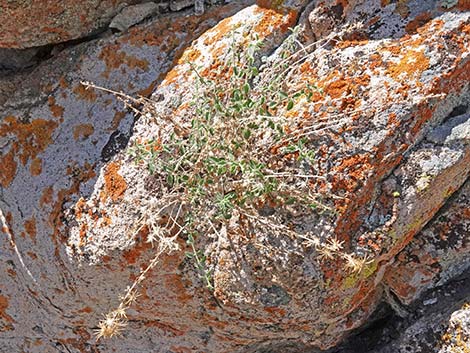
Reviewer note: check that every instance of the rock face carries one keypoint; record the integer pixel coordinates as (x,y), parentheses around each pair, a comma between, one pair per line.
(389,123)
(54,22)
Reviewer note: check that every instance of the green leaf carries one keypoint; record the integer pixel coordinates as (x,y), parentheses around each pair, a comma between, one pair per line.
(247,134)
(290,105)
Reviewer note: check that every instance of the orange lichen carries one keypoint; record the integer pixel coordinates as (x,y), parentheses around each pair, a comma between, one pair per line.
(32,255)
(36,167)
(30,227)
(411,65)
(344,86)
(80,208)
(8,169)
(85,93)
(215,34)
(3,307)
(86,310)
(78,175)
(63,82)
(83,131)
(46,197)
(56,110)
(189,56)
(83,234)
(114,58)
(31,138)
(175,284)
(463,5)
(132,255)
(115,185)
(273,20)
(180,349)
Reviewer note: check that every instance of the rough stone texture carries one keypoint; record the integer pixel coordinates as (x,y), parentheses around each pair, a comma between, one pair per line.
(132,15)
(393,143)
(54,22)
(430,280)
(440,252)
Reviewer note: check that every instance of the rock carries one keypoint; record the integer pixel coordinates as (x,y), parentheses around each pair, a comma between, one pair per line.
(386,115)
(177,5)
(430,279)
(131,15)
(55,135)
(53,22)
(439,253)
(457,337)
(14,59)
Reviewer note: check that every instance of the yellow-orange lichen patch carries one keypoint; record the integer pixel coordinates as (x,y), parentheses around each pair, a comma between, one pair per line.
(8,169)
(215,34)
(344,86)
(36,167)
(30,227)
(56,110)
(80,207)
(32,138)
(32,255)
(411,65)
(273,20)
(114,58)
(83,131)
(115,185)
(189,55)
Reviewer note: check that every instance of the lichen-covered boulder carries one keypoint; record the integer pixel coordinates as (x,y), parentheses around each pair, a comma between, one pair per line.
(28,24)
(388,121)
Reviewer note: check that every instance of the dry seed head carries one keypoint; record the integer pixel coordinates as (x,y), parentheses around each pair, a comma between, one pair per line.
(356,264)
(109,327)
(335,245)
(120,311)
(325,253)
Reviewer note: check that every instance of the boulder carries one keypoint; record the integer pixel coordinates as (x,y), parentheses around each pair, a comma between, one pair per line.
(53,22)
